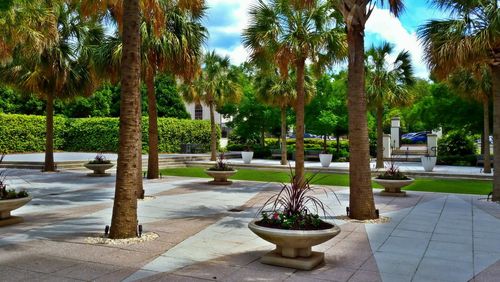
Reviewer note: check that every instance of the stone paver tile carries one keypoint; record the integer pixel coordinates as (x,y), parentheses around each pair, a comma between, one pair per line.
(365,276)
(327,272)
(416,227)
(116,276)
(450,251)
(452,238)
(87,271)
(433,269)
(266,273)
(399,264)
(207,270)
(241,259)
(411,234)
(10,274)
(415,246)
(484,261)
(42,264)
(173,278)
(488,274)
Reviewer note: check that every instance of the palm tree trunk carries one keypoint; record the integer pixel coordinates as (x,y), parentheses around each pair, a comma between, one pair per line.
(49,164)
(153,166)
(362,205)
(486,140)
(284,152)
(124,219)
(495,78)
(299,122)
(380,136)
(213,135)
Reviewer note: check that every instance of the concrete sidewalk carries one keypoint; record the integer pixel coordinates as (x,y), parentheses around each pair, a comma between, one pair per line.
(430,237)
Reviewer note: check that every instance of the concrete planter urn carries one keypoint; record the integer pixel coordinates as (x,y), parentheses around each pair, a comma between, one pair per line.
(247,156)
(220,176)
(325,159)
(393,187)
(293,247)
(99,169)
(428,163)
(6,206)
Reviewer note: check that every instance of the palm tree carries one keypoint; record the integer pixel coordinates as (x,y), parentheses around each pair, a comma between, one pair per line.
(387,84)
(124,218)
(292,32)
(470,36)
(216,85)
(476,84)
(280,91)
(356,13)
(175,49)
(63,69)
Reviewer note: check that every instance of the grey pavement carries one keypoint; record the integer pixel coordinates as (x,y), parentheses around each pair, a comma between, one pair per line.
(430,236)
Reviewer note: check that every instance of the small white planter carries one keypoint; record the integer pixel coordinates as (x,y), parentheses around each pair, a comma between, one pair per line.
(393,187)
(247,156)
(428,163)
(325,159)
(293,247)
(220,177)
(99,169)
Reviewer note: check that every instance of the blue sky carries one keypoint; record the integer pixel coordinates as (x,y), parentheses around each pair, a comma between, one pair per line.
(227,18)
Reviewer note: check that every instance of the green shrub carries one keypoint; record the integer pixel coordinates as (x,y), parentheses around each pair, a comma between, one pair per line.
(24,133)
(27,134)
(462,160)
(456,143)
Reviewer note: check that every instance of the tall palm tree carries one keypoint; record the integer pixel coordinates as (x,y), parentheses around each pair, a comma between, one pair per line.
(356,13)
(293,32)
(176,49)
(216,85)
(470,36)
(387,84)
(63,69)
(475,83)
(280,91)
(124,218)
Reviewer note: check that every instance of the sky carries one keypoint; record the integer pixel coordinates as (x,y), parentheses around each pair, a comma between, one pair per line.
(226,19)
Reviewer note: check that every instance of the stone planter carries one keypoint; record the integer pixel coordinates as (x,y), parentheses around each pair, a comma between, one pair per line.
(220,177)
(325,159)
(99,169)
(428,163)
(6,206)
(247,156)
(393,187)
(293,247)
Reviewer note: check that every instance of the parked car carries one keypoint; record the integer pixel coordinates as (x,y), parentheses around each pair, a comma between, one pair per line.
(416,137)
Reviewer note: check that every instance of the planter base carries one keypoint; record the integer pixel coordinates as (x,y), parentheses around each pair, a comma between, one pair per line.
(393,193)
(214,182)
(302,263)
(11,220)
(98,174)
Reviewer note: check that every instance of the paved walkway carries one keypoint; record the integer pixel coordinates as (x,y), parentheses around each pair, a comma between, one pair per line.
(430,237)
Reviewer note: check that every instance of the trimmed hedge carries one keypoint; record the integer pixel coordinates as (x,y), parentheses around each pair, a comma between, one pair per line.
(22,133)
(27,134)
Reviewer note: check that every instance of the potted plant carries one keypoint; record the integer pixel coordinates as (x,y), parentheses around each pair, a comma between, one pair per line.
(10,200)
(393,180)
(247,154)
(221,171)
(99,165)
(324,157)
(288,222)
(429,160)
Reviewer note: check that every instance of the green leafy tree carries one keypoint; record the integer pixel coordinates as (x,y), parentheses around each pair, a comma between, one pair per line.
(327,112)
(387,84)
(470,36)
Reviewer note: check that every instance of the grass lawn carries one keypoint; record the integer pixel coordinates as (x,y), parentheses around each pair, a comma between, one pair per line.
(481,187)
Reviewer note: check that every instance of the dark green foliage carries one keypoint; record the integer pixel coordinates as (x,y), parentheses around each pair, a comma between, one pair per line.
(456,143)
(27,134)
(168,100)
(23,133)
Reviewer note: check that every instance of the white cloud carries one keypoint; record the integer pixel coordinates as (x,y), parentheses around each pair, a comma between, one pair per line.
(389,28)
(237,55)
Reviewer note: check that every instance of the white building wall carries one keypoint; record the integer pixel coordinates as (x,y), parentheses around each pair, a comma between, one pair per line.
(190,107)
